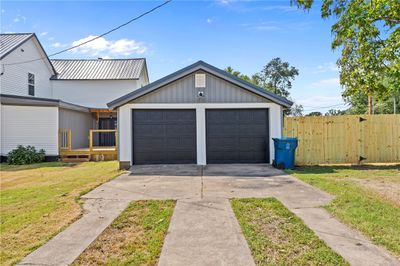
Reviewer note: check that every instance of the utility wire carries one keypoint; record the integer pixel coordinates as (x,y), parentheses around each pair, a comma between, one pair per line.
(324,107)
(97,37)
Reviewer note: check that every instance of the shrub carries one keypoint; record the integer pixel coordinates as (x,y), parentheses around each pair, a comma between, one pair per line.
(25,155)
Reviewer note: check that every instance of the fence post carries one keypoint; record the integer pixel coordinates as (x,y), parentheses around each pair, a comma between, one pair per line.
(69,139)
(90,139)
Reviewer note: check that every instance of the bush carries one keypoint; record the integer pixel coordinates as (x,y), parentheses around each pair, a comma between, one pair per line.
(25,155)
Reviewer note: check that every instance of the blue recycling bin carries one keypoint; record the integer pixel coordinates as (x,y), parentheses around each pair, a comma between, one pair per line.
(284,152)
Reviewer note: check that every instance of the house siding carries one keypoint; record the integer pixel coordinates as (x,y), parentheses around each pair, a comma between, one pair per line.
(14,79)
(217,91)
(29,125)
(92,93)
(80,123)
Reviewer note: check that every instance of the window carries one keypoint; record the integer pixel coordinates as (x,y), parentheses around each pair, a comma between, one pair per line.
(31,84)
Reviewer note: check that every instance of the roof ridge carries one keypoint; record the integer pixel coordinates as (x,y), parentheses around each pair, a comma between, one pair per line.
(104,59)
(17,33)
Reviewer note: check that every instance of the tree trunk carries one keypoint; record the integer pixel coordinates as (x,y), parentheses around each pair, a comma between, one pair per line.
(370,108)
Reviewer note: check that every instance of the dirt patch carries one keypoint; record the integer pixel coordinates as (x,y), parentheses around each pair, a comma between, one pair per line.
(386,189)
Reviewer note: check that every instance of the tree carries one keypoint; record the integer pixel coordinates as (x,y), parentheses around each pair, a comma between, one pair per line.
(334,112)
(368,34)
(314,114)
(237,74)
(381,105)
(277,76)
(296,110)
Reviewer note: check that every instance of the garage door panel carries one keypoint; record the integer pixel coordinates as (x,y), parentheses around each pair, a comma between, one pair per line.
(164,136)
(148,130)
(180,130)
(237,136)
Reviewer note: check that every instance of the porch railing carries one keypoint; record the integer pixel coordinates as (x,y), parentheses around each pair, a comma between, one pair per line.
(65,139)
(110,133)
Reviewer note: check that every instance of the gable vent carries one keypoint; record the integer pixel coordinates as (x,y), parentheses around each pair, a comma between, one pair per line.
(200,80)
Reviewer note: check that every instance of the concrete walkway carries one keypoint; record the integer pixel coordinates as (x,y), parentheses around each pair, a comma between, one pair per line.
(203,229)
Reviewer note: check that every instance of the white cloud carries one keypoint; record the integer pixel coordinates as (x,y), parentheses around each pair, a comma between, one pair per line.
(326,83)
(19,18)
(104,47)
(224,2)
(43,33)
(57,45)
(262,26)
(209,20)
(3,11)
(50,39)
(327,67)
(284,8)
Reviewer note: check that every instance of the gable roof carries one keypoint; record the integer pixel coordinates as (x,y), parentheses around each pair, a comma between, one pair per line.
(98,69)
(11,41)
(200,65)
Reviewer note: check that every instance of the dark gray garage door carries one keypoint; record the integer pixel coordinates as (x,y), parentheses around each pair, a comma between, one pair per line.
(164,136)
(237,136)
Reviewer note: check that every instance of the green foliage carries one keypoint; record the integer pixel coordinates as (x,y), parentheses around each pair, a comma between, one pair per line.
(382,105)
(334,112)
(25,155)
(276,76)
(295,110)
(368,34)
(314,114)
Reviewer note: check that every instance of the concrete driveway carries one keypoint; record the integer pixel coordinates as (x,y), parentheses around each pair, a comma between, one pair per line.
(203,229)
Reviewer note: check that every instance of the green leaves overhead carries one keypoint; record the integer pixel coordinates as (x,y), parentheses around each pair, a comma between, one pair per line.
(368,34)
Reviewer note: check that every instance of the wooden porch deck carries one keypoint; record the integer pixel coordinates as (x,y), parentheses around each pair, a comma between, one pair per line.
(92,153)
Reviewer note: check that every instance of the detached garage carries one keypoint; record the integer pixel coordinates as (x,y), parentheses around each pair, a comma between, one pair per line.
(199,114)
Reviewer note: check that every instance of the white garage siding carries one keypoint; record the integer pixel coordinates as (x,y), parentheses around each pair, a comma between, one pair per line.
(29,125)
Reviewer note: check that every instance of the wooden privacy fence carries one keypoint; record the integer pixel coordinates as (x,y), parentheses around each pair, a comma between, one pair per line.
(351,139)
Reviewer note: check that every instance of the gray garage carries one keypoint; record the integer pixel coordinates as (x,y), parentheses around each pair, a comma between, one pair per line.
(164,136)
(199,114)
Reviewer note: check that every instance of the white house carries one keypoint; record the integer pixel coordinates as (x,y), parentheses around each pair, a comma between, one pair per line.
(199,114)
(41,96)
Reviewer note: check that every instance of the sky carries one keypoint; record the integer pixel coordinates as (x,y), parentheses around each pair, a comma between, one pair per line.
(245,35)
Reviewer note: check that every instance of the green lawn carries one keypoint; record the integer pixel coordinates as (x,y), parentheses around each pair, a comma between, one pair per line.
(39,200)
(278,237)
(134,238)
(367,198)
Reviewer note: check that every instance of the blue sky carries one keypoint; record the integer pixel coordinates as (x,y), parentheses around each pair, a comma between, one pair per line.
(241,34)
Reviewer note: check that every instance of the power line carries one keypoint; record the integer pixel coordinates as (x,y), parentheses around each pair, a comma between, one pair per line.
(97,37)
(324,107)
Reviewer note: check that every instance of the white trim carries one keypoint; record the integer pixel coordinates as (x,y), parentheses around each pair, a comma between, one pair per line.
(125,124)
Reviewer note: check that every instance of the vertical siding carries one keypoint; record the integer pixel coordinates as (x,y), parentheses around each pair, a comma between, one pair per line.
(14,80)
(217,91)
(80,123)
(29,125)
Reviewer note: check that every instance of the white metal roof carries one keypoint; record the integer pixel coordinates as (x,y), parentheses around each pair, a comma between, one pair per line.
(10,41)
(98,69)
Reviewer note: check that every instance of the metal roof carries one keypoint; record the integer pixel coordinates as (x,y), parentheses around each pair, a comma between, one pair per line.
(200,65)
(10,41)
(98,69)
